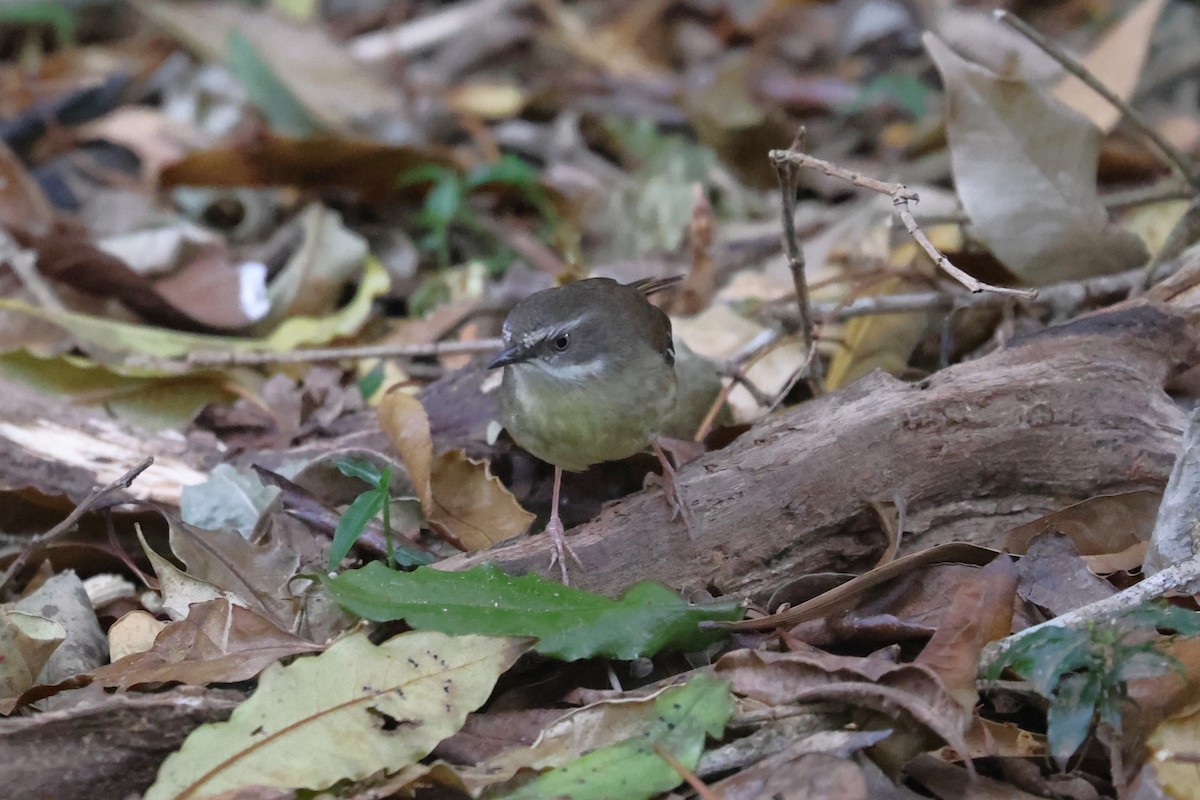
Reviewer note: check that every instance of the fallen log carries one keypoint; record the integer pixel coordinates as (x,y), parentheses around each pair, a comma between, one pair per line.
(1074,411)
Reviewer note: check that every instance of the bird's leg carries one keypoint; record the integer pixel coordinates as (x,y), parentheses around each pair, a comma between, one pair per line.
(678,509)
(558,536)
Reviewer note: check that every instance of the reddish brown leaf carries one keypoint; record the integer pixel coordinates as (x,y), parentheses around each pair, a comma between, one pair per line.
(218,642)
(980,612)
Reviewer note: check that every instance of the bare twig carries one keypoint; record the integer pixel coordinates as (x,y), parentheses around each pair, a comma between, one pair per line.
(256,358)
(90,501)
(1173,579)
(1172,155)
(1063,298)
(785,170)
(901,197)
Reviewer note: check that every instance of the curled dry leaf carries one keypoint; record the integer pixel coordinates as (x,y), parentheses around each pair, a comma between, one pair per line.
(901,692)
(218,642)
(1025,169)
(461,498)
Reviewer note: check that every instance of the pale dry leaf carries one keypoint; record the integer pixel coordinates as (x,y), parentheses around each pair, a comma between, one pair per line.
(1025,169)
(365,708)
(133,633)
(1116,61)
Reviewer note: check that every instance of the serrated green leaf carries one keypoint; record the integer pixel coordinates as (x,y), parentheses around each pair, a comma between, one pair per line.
(354,522)
(568,623)
(1069,719)
(1144,661)
(632,769)
(1046,655)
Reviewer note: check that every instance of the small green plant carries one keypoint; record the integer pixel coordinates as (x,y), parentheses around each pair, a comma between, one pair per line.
(446,208)
(1085,673)
(365,508)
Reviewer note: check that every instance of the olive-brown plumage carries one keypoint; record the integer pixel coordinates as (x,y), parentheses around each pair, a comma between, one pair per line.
(589,376)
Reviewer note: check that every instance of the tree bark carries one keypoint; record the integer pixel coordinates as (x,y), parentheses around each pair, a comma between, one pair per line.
(1072,412)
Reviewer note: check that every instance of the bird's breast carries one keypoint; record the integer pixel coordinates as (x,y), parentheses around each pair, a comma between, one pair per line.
(574,424)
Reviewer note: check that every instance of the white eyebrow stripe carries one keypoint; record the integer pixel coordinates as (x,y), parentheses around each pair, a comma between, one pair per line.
(530,338)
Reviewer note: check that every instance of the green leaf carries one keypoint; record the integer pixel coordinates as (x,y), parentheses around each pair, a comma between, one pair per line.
(508,169)
(425,173)
(54,13)
(372,382)
(1070,717)
(359,468)
(569,623)
(353,711)
(444,201)
(632,769)
(271,95)
(354,522)
(1046,655)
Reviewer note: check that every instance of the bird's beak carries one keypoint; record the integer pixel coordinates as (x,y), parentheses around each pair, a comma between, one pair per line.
(513,355)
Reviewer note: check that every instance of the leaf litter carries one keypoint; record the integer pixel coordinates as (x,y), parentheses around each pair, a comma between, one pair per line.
(272,248)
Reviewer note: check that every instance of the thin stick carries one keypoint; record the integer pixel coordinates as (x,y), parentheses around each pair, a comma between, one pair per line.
(1177,578)
(1178,160)
(901,197)
(701,789)
(786,173)
(260,357)
(1063,298)
(94,497)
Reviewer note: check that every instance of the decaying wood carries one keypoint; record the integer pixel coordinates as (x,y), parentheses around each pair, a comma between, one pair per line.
(109,749)
(1072,412)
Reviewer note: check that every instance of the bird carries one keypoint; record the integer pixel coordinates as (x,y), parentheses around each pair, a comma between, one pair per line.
(589,376)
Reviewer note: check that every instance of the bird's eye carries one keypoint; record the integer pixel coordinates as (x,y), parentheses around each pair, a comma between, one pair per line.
(561,342)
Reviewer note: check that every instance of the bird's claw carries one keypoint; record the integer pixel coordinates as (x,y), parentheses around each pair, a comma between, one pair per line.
(562,549)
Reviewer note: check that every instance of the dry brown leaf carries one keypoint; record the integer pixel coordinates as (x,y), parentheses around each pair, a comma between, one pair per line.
(1054,577)
(23,205)
(258,574)
(461,498)
(813,776)
(307,163)
(980,612)
(1025,169)
(903,693)
(218,642)
(1100,525)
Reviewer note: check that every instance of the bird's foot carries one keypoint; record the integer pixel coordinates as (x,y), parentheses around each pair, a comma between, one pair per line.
(558,538)
(671,492)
